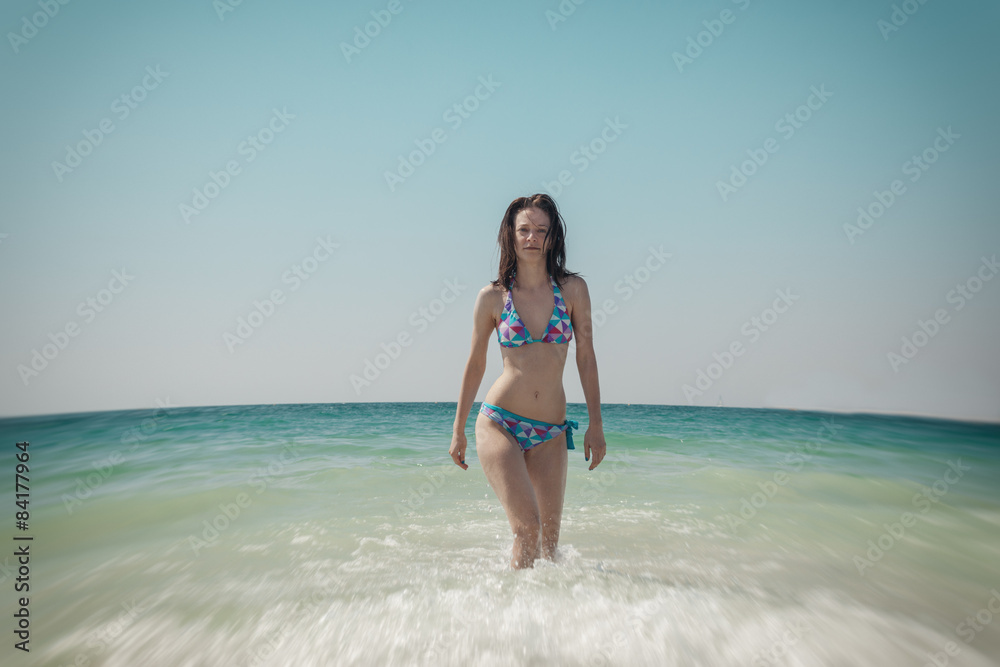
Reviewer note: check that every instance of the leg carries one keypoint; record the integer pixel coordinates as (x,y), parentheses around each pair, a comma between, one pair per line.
(547,464)
(504,465)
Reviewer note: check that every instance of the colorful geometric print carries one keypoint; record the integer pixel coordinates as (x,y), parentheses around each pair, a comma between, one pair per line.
(512,332)
(529,432)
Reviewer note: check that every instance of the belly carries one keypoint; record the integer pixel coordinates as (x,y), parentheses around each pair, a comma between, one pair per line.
(531,383)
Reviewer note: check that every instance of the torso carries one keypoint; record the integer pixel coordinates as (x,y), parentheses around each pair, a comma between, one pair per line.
(531,382)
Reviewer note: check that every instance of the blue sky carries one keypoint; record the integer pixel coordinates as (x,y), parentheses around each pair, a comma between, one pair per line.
(315,196)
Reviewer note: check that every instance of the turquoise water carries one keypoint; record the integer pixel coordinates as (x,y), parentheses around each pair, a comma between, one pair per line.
(343,535)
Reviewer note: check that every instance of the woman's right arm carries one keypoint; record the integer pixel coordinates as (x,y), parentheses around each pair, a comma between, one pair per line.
(483,324)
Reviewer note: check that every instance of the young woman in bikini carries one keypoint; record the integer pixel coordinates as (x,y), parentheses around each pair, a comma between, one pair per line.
(522,434)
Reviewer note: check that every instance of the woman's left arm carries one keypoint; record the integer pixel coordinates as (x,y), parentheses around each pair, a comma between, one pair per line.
(586,363)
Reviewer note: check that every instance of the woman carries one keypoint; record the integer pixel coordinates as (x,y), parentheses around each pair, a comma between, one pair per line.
(522,434)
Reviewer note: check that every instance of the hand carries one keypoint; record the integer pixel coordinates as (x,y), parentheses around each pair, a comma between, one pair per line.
(593,443)
(457,451)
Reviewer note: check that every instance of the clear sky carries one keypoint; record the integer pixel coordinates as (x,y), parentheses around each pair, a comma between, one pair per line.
(212,155)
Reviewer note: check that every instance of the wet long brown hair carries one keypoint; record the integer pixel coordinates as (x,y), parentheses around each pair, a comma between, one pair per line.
(555,240)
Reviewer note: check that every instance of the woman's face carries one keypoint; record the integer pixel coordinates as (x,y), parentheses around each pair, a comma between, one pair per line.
(530,228)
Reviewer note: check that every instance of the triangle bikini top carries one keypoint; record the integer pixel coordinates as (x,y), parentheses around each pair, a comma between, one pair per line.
(512,332)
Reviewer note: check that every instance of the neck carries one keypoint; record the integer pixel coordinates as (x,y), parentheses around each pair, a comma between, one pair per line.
(531,275)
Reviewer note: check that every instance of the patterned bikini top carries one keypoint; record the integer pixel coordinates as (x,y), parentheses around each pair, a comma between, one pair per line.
(512,332)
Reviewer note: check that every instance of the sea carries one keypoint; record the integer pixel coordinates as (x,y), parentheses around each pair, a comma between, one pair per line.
(342,534)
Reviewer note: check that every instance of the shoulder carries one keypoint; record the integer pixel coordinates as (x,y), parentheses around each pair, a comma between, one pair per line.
(574,289)
(490,297)
(488,308)
(490,291)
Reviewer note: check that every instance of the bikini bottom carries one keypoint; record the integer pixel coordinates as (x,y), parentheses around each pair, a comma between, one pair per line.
(529,432)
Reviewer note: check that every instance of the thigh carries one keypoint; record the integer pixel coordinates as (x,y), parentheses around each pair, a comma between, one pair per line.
(503,463)
(547,464)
